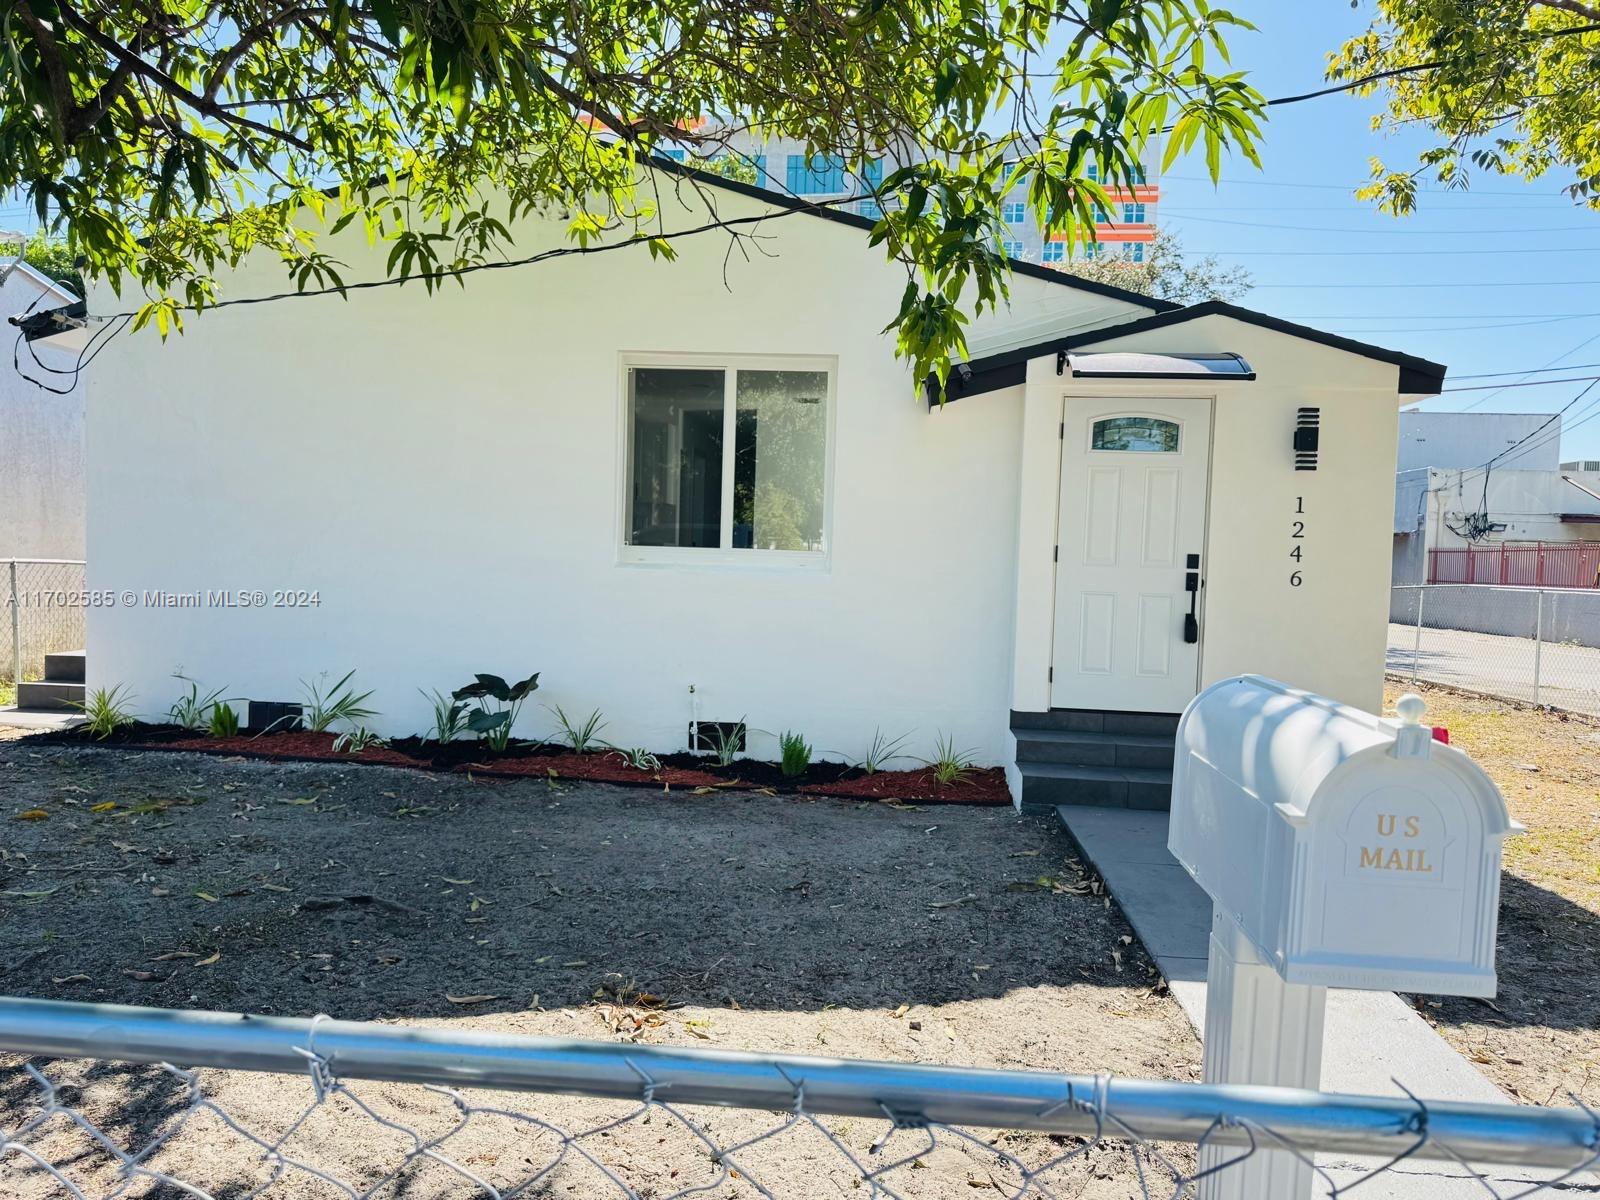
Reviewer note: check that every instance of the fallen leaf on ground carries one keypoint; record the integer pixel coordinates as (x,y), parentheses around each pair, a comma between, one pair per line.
(71,979)
(901,1011)
(171,954)
(33,814)
(208,961)
(275,887)
(144,976)
(207,897)
(970,896)
(107,806)
(473,999)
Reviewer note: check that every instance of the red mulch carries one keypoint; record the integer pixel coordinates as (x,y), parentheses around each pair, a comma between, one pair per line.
(985,786)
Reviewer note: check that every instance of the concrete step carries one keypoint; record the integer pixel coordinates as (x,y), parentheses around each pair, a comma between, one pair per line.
(50,696)
(1094,749)
(1046,786)
(1085,720)
(65,666)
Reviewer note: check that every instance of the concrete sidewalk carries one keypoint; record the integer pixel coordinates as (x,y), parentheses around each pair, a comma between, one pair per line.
(1372,1039)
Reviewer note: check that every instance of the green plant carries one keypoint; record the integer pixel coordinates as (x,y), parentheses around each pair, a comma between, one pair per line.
(882,751)
(354,741)
(224,721)
(106,710)
(582,737)
(950,765)
(794,754)
(724,739)
(638,758)
(449,716)
(194,710)
(338,703)
(493,724)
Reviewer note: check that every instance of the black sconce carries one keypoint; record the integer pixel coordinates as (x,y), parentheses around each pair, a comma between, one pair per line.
(1307,431)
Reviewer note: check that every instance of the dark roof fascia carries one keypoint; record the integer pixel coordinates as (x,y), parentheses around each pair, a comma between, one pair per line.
(857,221)
(1418,376)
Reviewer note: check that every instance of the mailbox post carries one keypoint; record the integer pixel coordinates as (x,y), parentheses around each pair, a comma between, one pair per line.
(1339,849)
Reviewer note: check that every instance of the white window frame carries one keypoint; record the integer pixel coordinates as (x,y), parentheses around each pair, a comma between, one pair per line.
(726,555)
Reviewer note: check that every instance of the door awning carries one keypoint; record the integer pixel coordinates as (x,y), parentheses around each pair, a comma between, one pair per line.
(1139,365)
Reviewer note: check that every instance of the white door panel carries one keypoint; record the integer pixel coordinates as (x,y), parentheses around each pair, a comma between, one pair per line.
(1134,479)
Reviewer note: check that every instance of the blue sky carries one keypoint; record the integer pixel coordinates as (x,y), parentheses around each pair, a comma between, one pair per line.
(1339,265)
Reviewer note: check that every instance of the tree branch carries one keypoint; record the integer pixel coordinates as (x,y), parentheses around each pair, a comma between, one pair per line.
(154,74)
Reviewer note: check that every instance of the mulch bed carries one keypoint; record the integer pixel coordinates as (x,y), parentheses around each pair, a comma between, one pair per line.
(985,785)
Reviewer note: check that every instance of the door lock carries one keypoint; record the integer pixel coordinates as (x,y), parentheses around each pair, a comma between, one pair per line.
(1191,584)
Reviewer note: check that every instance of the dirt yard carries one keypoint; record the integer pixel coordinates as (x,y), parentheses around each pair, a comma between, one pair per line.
(1539,1039)
(949,934)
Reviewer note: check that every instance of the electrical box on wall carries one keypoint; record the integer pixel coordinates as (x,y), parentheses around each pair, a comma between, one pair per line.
(1307,435)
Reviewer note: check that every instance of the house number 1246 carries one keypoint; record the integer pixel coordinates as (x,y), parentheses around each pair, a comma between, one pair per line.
(1297,533)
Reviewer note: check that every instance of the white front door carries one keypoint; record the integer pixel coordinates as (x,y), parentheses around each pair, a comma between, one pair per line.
(1134,476)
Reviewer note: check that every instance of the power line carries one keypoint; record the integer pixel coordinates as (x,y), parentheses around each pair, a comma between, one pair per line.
(1498,232)
(1341,187)
(1530,370)
(1458,284)
(1506,387)
(1551,365)
(1399,253)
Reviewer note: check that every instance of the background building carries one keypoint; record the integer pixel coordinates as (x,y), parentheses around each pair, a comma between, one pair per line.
(1126,228)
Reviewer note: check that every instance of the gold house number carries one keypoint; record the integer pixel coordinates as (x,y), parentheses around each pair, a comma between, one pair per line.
(1397,858)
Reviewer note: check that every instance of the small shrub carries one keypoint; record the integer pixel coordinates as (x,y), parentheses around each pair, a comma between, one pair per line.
(340,703)
(882,752)
(354,741)
(493,723)
(950,765)
(795,754)
(449,717)
(724,741)
(584,736)
(638,758)
(106,710)
(194,710)
(224,721)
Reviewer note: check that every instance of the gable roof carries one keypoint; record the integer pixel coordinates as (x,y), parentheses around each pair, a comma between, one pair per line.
(1418,376)
(856,220)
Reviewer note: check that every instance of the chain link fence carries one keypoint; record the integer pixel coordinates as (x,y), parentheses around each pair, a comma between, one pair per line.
(44,603)
(1537,645)
(364,1110)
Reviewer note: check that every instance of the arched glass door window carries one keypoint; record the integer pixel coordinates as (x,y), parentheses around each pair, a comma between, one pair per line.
(1143,435)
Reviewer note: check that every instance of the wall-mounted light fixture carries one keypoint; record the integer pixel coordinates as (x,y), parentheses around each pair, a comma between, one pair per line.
(1307,433)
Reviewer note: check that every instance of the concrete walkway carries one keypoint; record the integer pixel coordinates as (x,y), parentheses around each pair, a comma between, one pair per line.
(24,718)
(1569,674)
(1372,1039)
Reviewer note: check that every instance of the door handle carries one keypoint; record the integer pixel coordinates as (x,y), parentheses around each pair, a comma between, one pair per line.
(1191,584)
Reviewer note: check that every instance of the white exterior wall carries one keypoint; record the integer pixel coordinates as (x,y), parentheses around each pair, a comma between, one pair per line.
(445,472)
(1327,635)
(41,438)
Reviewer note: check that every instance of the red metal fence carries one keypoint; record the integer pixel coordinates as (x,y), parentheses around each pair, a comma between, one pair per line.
(1528,564)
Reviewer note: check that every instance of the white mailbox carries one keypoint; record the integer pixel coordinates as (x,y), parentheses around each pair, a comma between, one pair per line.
(1352,851)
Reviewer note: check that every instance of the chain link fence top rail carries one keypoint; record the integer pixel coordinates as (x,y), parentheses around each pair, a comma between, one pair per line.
(364,1110)
(1536,645)
(44,605)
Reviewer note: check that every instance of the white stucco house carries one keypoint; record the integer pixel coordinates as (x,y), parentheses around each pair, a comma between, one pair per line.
(41,432)
(707,490)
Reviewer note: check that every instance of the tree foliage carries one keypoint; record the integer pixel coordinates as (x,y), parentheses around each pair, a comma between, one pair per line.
(51,256)
(1168,273)
(1509,86)
(169,138)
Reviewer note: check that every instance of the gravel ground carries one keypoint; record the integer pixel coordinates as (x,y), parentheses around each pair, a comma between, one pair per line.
(948,934)
(1539,1038)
